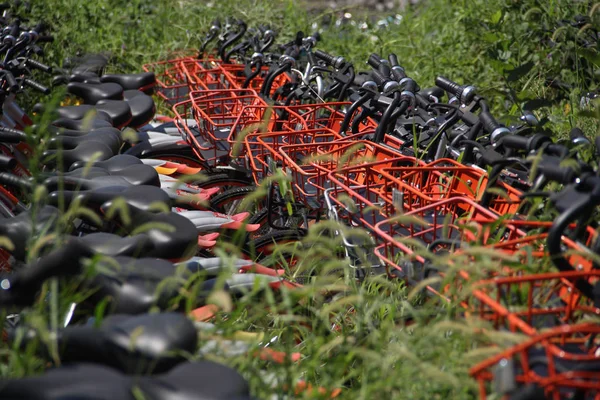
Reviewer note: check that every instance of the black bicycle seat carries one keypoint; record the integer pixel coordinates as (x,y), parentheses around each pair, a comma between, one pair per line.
(113,245)
(148,343)
(174,237)
(84,152)
(85,77)
(109,138)
(71,112)
(70,132)
(83,381)
(19,229)
(57,183)
(119,111)
(92,93)
(115,163)
(137,174)
(142,107)
(102,120)
(74,381)
(143,81)
(149,150)
(25,282)
(135,286)
(143,197)
(198,380)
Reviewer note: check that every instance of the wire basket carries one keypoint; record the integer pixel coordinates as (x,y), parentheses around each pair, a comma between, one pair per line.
(262,150)
(368,194)
(238,74)
(528,303)
(447,178)
(217,111)
(171,80)
(560,363)
(310,164)
(405,241)
(331,115)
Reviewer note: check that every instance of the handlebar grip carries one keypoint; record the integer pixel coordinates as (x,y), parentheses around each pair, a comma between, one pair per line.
(7,162)
(515,142)
(45,39)
(14,30)
(492,126)
(37,86)
(323,56)
(37,50)
(38,65)
(393,59)
(556,173)
(374,60)
(11,82)
(9,135)
(14,181)
(38,28)
(448,85)
(488,121)
(385,70)
(398,73)
(379,78)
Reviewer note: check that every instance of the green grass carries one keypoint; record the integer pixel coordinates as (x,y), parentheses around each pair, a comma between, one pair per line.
(372,353)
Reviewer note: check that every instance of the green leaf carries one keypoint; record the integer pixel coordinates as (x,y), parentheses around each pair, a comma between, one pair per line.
(496,17)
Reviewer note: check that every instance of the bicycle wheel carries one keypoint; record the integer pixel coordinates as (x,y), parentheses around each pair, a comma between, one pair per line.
(229,201)
(266,252)
(223,181)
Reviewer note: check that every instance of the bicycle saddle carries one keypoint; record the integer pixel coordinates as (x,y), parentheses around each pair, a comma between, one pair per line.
(135,286)
(201,380)
(74,381)
(147,149)
(143,197)
(19,229)
(113,141)
(115,163)
(142,107)
(134,174)
(119,111)
(75,133)
(173,236)
(113,245)
(92,93)
(149,343)
(85,77)
(143,81)
(97,181)
(194,381)
(85,152)
(101,120)
(26,282)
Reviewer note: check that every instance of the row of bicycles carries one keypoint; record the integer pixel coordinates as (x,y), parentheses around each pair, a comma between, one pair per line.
(266,146)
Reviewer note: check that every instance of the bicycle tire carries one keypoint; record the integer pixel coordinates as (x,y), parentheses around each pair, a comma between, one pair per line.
(262,245)
(218,201)
(223,181)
